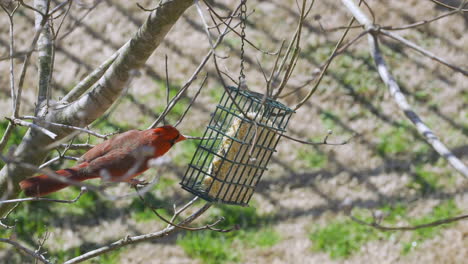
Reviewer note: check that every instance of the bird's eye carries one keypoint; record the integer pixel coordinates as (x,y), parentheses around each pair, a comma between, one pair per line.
(173,141)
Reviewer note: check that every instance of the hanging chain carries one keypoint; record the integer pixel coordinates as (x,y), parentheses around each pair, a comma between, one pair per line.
(243,19)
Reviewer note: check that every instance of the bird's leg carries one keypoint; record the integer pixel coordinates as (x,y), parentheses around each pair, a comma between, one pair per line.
(135,182)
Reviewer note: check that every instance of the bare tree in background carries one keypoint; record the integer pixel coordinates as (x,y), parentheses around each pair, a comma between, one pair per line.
(55,122)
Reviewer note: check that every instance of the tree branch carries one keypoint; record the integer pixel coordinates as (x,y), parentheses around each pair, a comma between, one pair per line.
(135,239)
(45,53)
(94,103)
(398,95)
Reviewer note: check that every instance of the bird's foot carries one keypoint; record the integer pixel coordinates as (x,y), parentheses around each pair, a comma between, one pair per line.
(137,183)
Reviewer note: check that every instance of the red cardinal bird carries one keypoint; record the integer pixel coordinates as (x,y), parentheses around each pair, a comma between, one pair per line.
(120,158)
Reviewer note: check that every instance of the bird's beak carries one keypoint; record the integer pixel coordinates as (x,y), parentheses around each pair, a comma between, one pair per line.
(180,138)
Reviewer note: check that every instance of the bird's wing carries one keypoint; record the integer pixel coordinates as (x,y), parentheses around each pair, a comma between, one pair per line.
(115,164)
(128,138)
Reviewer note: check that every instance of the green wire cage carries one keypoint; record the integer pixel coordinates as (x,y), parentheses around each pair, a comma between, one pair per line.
(237,145)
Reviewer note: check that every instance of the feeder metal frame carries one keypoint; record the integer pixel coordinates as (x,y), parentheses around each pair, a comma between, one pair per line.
(227,145)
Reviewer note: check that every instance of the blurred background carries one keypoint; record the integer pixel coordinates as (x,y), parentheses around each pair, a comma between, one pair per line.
(295,215)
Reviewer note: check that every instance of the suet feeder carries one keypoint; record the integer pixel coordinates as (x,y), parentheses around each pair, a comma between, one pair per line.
(237,145)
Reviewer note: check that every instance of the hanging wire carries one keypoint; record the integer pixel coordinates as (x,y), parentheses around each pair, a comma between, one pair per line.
(243,18)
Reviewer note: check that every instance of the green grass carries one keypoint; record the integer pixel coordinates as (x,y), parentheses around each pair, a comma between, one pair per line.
(216,94)
(178,108)
(393,142)
(342,238)
(400,141)
(208,246)
(313,157)
(329,119)
(424,181)
(15,137)
(354,71)
(215,247)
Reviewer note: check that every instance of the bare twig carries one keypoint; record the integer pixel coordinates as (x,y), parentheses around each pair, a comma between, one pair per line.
(296,41)
(325,68)
(34,199)
(375,224)
(10,126)
(77,146)
(190,80)
(213,11)
(32,8)
(33,126)
(146,9)
(448,6)
(80,129)
(6,216)
(420,23)
(423,51)
(12,52)
(59,6)
(136,239)
(191,102)
(323,142)
(168,85)
(26,250)
(170,223)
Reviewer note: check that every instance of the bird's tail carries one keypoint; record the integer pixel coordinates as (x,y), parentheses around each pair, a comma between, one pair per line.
(42,184)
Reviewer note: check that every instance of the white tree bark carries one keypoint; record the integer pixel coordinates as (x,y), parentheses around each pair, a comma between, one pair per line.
(93,104)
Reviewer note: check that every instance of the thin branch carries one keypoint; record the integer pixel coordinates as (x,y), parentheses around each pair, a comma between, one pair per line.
(376,225)
(191,102)
(170,223)
(10,126)
(190,80)
(323,142)
(78,146)
(295,55)
(32,8)
(34,199)
(325,68)
(40,120)
(146,9)
(26,250)
(63,18)
(6,136)
(449,7)
(6,216)
(59,6)
(20,122)
(420,23)
(168,85)
(12,52)
(136,239)
(46,164)
(423,51)
(213,11)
